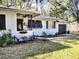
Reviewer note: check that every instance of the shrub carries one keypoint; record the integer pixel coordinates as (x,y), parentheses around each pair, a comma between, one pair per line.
(44,34)
(56,34)
(50,35)
(6,39)
(33,37)
(68,32)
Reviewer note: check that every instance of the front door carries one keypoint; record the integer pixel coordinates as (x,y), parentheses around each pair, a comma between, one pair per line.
(19,24)
(62,28)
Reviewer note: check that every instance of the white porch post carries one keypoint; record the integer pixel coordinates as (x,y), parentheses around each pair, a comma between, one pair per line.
(44,24)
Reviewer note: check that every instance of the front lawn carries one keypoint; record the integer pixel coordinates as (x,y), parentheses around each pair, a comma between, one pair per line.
(70,51)
(42,49)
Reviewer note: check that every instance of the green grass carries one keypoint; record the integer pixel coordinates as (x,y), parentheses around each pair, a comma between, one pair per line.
(58,49)
(42,49)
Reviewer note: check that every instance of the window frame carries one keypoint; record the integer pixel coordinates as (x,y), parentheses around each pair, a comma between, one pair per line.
(34,24)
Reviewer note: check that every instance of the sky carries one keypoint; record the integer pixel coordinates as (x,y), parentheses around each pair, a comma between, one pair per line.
(44,5)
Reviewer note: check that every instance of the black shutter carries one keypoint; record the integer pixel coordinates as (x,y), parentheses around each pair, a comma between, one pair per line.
(2,22)
(46,24)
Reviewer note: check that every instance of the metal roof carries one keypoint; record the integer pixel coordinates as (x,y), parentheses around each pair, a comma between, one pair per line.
(42,17)
(19,11)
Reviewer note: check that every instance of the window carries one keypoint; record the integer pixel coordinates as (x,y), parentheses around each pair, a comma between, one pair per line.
(38,24)
(2,22)
(34,24)
(31,23)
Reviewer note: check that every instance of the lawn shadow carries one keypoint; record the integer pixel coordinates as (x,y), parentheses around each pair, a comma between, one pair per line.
(44,46)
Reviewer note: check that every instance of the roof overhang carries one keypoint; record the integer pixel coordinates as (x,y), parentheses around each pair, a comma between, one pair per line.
(19,11)
(46,18)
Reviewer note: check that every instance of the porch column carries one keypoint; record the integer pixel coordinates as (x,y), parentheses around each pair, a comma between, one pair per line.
(11,21)
(43,24)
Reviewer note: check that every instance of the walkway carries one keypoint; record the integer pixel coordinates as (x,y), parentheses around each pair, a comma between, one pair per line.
(65,36)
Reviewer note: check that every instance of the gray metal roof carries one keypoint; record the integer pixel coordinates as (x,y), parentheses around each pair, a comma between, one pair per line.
(19,11)
(42,17)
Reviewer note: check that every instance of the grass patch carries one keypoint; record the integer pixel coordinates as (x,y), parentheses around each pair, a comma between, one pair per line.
(61,49)
(42,49)
(73,41)
(45,47)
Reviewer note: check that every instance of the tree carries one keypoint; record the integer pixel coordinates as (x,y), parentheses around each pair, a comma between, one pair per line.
(7,3)
(41,6)
(26,4)
(58,9)
(64,9)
